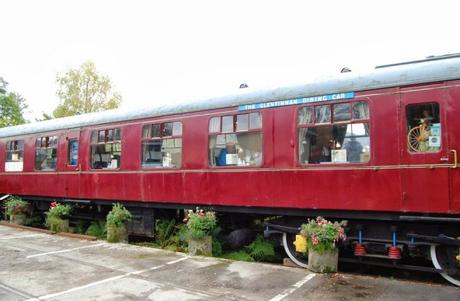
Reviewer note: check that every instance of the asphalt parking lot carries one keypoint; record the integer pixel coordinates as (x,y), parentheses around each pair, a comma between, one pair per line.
(37,266)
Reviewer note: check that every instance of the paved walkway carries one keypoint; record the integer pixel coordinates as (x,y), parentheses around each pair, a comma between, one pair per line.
(36,266)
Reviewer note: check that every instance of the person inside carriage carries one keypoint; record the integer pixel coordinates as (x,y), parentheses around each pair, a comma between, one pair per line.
(221,159)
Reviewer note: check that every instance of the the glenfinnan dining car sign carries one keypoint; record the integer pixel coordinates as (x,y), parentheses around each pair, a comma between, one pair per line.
(297,101)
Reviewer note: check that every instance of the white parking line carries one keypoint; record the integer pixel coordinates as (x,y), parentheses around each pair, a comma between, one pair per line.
(20,236)
(12,290)
(106,280)
(293,288)
(64,251)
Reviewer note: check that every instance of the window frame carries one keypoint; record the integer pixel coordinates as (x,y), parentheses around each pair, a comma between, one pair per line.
(68,155)
(143,139)
(235,132)
(16,143)
(313,124)
(56,146)
(91,144)
(443,140)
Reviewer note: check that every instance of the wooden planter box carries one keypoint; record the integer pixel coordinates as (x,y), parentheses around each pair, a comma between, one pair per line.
(117,234)
(200,246)
(56,224)
(325,262)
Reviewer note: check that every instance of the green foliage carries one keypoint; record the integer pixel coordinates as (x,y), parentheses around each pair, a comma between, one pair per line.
(58,210)
(180,238)
(12,106)
(200,223)
(163,231)
(16,205)
(171,236)
(56,224)
(44,117)
(98,229)
(322,235)
(240,255)
(261,249)
(56,215)
(118,215)
(216,247)
(84,90)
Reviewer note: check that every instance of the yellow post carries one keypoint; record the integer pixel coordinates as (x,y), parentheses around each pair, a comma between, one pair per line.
(300,244)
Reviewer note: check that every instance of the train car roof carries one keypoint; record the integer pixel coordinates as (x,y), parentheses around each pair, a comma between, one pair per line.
(416,72)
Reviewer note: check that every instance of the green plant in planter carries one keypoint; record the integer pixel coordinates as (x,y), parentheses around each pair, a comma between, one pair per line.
(17,209)
(116,219)
(57,217)
(200,225)
(322,237)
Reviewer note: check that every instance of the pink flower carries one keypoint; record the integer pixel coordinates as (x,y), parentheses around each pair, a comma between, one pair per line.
(315,240)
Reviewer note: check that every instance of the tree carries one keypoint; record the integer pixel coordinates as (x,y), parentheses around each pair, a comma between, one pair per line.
(44,117)
(84,90)
(12,106)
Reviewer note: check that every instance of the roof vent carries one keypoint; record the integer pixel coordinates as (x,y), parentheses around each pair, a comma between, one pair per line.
(427,59)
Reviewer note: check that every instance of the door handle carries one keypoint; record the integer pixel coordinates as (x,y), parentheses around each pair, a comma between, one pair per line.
(455,158)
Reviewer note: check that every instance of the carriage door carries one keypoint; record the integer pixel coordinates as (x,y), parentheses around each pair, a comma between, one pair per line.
(453,120)
(425,151)
(71,162)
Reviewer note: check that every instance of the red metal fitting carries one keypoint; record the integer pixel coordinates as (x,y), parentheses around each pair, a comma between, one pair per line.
(394,252)
(360,249)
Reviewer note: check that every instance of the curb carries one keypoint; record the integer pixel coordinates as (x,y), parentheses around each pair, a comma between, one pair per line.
(65,234)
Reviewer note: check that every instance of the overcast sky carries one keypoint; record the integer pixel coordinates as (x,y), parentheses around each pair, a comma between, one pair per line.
(155,51)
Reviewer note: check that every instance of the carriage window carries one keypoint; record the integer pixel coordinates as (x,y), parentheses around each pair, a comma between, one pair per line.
(46,153)
(105,149)
(214,125)
(360,110)
(162,145)
(72,152)
(423,128)
(14,155)
(239,143)
(342,112)
(344,140)
(323,114)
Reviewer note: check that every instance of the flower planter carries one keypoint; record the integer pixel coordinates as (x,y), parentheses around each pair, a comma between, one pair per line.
(19,219)
(200,246)
(117,233)
(57,224)
(324,262)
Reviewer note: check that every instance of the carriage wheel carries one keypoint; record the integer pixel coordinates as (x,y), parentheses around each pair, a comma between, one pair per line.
(443,257)
(298,258)
(413,139)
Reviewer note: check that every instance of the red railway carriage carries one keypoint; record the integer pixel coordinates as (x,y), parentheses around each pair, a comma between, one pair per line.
(379,149)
